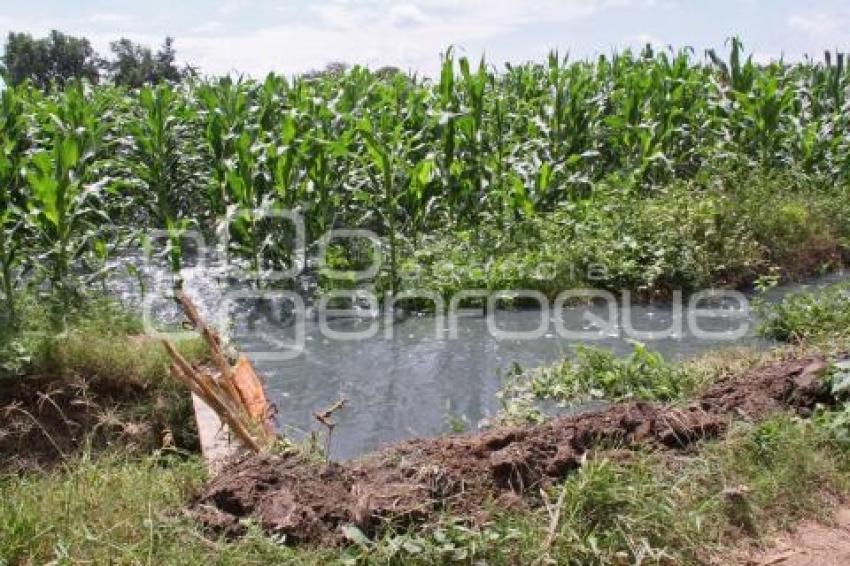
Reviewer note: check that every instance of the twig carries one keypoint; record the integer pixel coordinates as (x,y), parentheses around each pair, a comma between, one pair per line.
(554,520)
(41,427)
(324,417)
(213,341)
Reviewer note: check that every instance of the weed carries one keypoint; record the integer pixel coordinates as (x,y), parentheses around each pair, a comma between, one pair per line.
(598,374)
(807,315)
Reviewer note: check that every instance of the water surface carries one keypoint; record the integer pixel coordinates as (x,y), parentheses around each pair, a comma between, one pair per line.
(420,381)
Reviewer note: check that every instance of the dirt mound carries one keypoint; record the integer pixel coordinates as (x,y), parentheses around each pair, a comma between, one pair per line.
(408,483)
(46,420)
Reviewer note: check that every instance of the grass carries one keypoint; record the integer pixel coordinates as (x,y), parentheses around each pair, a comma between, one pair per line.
(684,236)
(121,509)
(597,374)
(116,506)
(104,355)
(101,375)
(116,509)
(809,322)
(824,315)
(652,508)
(100,340)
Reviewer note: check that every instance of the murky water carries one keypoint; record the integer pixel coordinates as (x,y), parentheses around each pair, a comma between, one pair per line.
(421,380)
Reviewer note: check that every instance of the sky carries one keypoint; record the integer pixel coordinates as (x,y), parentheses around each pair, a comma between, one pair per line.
(254,37)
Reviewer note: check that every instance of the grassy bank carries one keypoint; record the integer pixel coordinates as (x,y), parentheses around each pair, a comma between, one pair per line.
(99,446)
(615,510)
(821,317)
(595,374)
(724,231)
(805,322)
(112,508)
(97,383)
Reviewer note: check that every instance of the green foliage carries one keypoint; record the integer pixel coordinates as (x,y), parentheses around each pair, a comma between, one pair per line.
(12,225)
(65,209)
(616,512)
(159,166)
(94,344)
(807,315)
(684,236)
(93,351)
(135,65)
(593,375)
(779,461)
(52,60)
(113,509)
(159,158)
(647,171)
(649,509)
(59,59)
(596,373)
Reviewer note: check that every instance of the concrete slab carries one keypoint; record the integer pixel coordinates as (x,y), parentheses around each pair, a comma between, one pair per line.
(217,444)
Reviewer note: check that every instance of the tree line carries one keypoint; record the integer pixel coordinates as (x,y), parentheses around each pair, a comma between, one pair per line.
(59,58)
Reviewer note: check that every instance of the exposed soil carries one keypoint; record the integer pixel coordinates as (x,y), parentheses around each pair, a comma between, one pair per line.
(409,483)
(45,420)
(825,544)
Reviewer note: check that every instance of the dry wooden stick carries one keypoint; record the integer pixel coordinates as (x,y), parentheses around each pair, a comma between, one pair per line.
(324,417)
(221,393)
(213,341)
(554,520)
(206,389)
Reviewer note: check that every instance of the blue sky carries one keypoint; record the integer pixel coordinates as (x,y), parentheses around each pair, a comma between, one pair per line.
(289,36)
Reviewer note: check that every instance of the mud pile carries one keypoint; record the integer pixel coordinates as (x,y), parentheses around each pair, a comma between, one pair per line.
(409,483)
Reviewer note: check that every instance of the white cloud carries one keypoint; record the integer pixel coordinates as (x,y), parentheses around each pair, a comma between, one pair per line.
(408,34)
(211,26)
(107,18)
(102,40)
(822,26)
(408,15)
(230,7)
(99,30)
(341,16)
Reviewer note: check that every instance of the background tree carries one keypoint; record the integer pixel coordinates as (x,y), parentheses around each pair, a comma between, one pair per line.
(54,59)
(166,62)
(334,69)
(135,65)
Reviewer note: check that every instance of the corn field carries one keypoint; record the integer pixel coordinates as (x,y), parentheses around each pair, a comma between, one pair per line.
(85,170)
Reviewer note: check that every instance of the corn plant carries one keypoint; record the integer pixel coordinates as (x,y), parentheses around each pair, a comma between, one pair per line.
(161,170)
(160,160)
(475,150)
(225,110)
(244,192)
(384,196)
(65,215)
(11,217)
